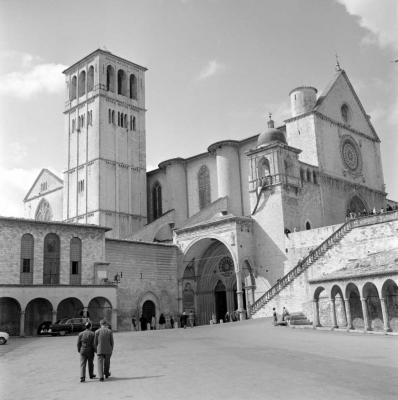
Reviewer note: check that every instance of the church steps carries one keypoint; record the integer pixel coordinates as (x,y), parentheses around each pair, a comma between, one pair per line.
(355,239)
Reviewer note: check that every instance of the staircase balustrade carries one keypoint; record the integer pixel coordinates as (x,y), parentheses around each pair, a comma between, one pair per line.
(319,251)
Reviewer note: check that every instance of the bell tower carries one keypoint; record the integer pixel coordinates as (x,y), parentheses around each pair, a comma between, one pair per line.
(105,178)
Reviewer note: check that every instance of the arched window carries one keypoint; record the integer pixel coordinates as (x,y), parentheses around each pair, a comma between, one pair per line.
(133,87)
(90,79)
(43,211)
(113,116)
(51,259)
(72,89)
(110,79)
(308,175)
(263,168)
(125,121)
(75,261)
(118,118)
(27,246)
(121,82)
(345,113)
(157,200)
(204,187)
(109,115)
(308,225)
(121,120)
(133,123)
(82,83)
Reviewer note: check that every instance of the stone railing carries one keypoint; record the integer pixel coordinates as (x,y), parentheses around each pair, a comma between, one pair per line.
(318,252)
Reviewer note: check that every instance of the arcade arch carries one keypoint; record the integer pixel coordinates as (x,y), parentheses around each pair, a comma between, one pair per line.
(70,307)
(99,308)
(10,311)
(37,311)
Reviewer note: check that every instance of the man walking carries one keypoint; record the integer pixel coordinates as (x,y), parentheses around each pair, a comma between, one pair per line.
(86,348)
(103,341)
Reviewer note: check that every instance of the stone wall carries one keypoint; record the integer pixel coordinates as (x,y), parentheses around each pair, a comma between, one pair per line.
(147,271)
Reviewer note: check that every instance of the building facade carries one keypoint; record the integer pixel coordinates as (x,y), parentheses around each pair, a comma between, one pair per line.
(218,222)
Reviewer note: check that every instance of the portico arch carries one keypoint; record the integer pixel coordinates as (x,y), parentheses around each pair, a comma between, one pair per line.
(99,308)
(389,293)
(70,307)
(355,307)
(10,311)
(214,265)
(37,311)
(371,296)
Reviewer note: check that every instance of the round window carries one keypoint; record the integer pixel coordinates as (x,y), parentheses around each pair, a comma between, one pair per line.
(351,154)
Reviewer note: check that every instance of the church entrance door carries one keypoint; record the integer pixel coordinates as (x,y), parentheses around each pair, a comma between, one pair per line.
(148,310)
(220,297)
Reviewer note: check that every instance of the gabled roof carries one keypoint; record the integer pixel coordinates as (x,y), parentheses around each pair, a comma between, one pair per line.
(341,73)
(42,172)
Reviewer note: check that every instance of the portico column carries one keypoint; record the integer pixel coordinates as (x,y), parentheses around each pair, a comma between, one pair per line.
(385,315)
(54,316)
(365,315)
(348,314)
(22,323)
(333,312)
(114,319)
(315,319)
(239,294)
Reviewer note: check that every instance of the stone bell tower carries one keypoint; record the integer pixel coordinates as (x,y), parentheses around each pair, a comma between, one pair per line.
(274,188)
(105,179)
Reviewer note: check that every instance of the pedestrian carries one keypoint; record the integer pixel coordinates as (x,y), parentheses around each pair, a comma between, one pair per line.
(86,348)
(103,342)
(133,324)
(172,322)
(153,323)
(183,320)
(275,316)
(143,323)
(162,321)
(285,314)
(226,317)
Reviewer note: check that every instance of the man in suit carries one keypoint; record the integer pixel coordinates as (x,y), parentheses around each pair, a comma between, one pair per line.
(103,342)
(86,348)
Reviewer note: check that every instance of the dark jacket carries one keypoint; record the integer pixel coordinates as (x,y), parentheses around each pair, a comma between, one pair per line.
(103,340)
(85,343)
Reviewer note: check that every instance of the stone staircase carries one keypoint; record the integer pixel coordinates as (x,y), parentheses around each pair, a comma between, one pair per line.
(299,319)
(316,254)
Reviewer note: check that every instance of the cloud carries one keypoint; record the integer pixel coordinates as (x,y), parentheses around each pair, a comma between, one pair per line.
(213,67)
(15,183)
(29,75)
(380,19)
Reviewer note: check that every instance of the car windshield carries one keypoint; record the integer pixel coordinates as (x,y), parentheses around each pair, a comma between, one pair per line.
(63,321)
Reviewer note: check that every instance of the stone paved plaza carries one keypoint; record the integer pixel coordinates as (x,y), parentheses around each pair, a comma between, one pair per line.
(243,360)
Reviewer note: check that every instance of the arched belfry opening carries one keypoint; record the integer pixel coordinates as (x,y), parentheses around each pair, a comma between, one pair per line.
(208,280)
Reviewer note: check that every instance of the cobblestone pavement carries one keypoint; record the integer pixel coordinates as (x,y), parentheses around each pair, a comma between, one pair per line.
(243,360)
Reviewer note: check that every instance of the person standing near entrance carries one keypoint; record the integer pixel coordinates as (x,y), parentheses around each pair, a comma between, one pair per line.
(86,348)
(103,342)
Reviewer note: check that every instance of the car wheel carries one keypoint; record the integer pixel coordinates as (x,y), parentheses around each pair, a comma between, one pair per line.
(62,333)
(3,340)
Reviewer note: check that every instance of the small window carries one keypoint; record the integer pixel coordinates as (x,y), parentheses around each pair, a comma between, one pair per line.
(109,116)
(26,265)
(133,123)
(113,117)
(345,113)
(307,225)
(75,267)
(43,186)
(302,176)
(118,118)
(314,177)
(308,175)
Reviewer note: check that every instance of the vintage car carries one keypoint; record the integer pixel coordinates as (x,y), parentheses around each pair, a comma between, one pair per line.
(4,337)
(71,325)
(44,327)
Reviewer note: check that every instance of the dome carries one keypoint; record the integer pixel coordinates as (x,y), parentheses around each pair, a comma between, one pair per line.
(271,135)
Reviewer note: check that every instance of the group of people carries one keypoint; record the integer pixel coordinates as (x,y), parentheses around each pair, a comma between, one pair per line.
(100,342)
(146,324)
(285,317)
(364,213)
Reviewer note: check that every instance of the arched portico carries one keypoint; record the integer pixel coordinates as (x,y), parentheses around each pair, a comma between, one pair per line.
(209,266)
(100,308)
(37,311)
(389,299)
(70,307)
(10,311)
(354,307)
(371,300)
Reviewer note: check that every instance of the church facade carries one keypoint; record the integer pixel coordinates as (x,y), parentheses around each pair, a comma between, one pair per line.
(209,233)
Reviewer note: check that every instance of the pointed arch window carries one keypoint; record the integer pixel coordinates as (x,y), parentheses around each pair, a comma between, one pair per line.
(204,187)
(72,89)
(90,79)
(82,83)
(27,246)
(133,87)
(75,261)
(156,200)
(121,82)
(110,79)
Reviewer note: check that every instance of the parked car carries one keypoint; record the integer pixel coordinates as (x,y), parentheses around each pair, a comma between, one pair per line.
(44,327)
(71,325)
(4,337)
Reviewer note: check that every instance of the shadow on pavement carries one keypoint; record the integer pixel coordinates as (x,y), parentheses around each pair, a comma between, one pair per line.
(115,378)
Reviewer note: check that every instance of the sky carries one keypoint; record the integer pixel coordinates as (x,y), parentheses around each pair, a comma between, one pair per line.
(215,70)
